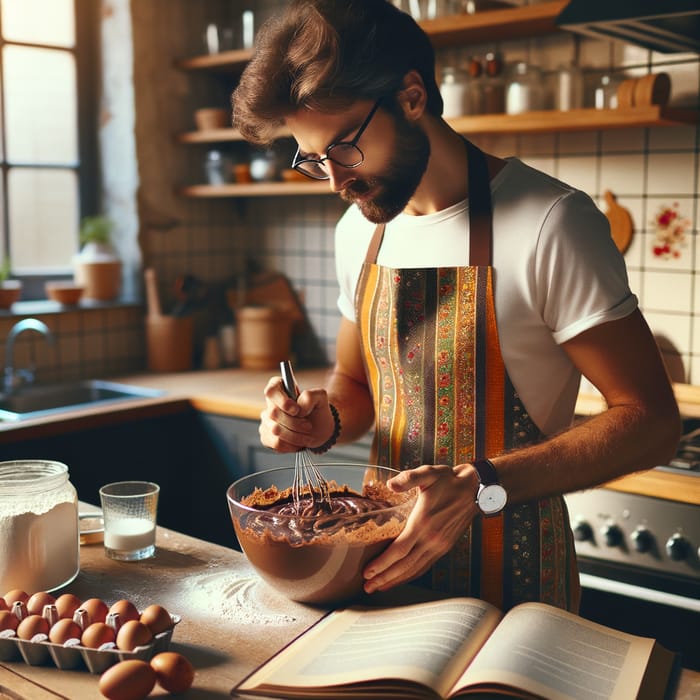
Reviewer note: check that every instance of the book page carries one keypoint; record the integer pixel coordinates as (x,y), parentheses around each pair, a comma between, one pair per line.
(560,656)
(418,643)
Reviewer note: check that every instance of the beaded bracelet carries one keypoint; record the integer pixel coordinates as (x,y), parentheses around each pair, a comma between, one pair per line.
(333,438)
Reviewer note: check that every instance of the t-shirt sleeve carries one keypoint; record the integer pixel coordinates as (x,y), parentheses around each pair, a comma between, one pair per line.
(581,277)
(352,235)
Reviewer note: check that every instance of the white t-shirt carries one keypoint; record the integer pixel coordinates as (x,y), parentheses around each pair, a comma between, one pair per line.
(557,273)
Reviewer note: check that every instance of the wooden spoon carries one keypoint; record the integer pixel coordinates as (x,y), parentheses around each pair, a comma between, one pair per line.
(621,224)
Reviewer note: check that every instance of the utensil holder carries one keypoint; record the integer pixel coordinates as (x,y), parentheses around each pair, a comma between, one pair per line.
(169,343)
(264,336)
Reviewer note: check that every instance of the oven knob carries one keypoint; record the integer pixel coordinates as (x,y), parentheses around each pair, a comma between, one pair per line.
(677,547)
(583,531)
(612,535)
(642,539)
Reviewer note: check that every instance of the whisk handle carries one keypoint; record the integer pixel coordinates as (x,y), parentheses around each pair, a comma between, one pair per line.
(288,380)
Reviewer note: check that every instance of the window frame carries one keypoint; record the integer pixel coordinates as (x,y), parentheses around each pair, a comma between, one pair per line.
(88,68)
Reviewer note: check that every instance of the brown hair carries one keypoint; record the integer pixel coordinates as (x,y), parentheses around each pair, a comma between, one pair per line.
(325,54)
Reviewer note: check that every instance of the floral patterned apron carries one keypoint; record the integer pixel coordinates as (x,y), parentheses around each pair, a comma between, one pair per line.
(442,396)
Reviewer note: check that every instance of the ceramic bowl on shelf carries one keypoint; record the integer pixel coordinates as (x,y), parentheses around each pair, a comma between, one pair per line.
(212,118)
(68,293)
(314,554)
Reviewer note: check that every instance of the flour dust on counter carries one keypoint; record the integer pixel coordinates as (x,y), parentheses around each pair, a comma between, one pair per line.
(245,600)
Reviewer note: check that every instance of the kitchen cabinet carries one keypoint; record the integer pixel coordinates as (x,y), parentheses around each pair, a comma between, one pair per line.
(455,30)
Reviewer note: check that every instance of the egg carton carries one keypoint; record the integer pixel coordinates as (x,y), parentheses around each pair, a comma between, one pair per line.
(39,651)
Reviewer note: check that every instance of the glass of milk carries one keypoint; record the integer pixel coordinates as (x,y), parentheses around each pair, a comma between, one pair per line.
(129,509)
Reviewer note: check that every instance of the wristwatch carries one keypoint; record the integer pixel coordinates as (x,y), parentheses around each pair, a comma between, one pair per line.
(491,496)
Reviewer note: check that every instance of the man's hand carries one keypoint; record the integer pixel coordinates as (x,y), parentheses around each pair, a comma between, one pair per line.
(287,425)
(445,508)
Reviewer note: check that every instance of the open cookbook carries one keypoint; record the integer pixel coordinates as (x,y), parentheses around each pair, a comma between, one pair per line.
(457,647)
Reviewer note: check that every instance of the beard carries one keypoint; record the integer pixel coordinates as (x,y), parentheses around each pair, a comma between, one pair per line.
(394,189)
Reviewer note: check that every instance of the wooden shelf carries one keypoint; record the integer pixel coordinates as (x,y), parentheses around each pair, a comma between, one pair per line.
(526,123)
(219,136)
(256,189)
(494,25)
(226,61)
(552,121)
(450,30)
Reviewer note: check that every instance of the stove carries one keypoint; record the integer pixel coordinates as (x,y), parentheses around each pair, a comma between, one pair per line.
(639,555)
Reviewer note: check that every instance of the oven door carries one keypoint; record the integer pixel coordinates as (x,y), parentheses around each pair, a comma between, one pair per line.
(666,608)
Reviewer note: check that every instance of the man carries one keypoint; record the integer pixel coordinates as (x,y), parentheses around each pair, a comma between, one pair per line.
(474,292)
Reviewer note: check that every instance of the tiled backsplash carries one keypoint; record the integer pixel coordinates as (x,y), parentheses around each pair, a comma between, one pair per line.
(89,343)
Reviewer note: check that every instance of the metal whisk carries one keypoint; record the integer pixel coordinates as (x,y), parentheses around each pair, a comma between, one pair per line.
(307,477)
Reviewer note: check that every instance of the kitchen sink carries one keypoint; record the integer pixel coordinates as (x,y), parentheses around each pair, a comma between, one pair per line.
(42,400)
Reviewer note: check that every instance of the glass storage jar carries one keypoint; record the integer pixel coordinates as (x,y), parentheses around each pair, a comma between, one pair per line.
(454,89)
(39,534)
(569,93)
(524,92)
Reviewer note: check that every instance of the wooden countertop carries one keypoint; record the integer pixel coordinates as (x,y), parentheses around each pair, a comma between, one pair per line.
(231,621)
(238,393)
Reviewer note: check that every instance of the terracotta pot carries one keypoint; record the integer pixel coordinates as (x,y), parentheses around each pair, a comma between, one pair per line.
(101,279)
(10,292)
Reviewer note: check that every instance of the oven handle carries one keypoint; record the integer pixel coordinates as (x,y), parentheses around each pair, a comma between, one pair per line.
(631,591)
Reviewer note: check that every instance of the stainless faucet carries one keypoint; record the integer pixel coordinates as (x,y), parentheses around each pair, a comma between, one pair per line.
(12,377)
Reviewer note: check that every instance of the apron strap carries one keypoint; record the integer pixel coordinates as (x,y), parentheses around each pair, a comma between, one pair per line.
(375,244)
(480,227)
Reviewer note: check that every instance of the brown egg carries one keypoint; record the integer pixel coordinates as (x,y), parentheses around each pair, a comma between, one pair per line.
(8,620)
(36,602)
(157,618)
(128,680)
(14,595)
(174,672)
(97,634)
(31,626)
(133,634)
(67,604)
(125,609)
(63,630)
(96,610)
(3,604)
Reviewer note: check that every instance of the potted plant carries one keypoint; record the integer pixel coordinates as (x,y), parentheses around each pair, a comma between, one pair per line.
(10,290)
(97,266)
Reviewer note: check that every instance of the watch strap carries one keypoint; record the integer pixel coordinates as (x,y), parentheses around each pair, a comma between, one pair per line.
(486,471)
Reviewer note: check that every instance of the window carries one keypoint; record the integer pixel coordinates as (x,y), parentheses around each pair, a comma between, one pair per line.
(47,128)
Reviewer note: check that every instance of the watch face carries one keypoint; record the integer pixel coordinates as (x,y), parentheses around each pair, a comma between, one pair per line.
(491,499)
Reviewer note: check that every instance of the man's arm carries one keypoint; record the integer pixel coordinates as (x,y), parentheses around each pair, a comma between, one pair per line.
(639,429)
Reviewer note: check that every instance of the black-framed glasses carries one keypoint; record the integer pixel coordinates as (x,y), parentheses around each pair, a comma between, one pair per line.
(347,154)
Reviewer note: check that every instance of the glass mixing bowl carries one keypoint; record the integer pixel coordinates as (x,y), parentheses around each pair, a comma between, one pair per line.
(317,557)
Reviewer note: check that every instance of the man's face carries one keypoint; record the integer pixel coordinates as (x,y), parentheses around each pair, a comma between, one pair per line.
(380,197)
(395,152)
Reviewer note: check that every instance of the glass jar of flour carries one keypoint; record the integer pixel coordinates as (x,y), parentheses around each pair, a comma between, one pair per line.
(39,537)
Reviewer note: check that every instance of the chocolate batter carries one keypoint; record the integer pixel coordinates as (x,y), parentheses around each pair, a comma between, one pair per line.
(312,555)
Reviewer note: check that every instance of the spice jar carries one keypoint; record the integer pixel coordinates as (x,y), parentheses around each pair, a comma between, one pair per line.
(605,96)
(218,168)
(454,90)
(476,87)
(524,92)
(39,539)
(494,88)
